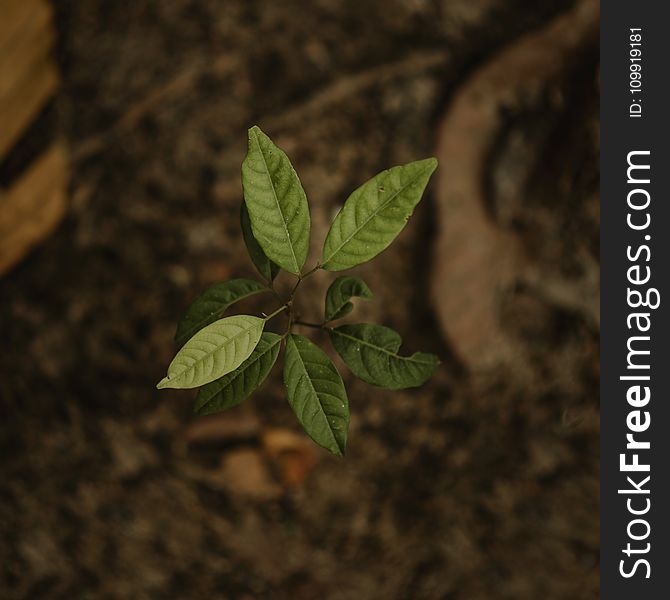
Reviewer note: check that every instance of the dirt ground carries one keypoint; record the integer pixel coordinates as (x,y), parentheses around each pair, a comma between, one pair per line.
(483,484)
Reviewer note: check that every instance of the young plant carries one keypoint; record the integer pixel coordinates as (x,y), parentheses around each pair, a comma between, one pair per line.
(228,358)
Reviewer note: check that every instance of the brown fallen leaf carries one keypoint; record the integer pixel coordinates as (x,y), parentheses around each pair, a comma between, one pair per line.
(293,454)
(245,472)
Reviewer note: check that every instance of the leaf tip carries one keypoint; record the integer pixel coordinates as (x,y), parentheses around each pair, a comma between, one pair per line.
(336,450)
(254,131)
(163,383)
(434,358)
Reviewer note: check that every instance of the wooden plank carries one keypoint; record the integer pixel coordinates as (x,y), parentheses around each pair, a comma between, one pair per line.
(21,53)
(19,109)
(33,206)
(16,15)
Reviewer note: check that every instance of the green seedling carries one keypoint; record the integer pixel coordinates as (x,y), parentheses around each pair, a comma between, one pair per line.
(228,358)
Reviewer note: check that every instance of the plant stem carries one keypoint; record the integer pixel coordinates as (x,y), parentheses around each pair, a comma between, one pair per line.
(316,268)
(289,326)
(295,287)
(289,303)
(301,277)
(280,309)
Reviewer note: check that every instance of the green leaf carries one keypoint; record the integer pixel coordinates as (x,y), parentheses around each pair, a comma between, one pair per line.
(371,352)
(235,387)
(217,349)
(277,204)
(316,394)
(265,266)
(375,214)
(209,306)
(339,293)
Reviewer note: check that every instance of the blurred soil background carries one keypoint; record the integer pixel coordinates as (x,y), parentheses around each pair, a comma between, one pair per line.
(481,485)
